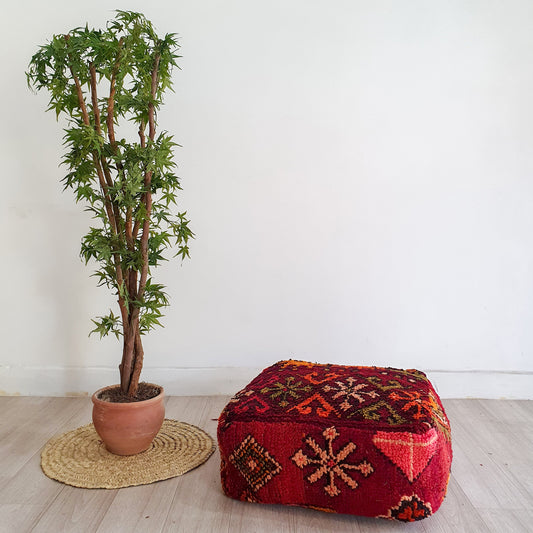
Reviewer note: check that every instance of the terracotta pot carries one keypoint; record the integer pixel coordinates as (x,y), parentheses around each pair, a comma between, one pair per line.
(128,428)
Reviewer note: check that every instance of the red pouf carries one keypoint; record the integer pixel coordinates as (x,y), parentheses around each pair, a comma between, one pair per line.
(348,439)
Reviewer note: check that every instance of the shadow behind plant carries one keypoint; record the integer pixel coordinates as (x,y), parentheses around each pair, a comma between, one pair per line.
(98,79)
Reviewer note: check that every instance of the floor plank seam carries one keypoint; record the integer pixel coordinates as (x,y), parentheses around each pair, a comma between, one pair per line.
(111,500)
(35,523)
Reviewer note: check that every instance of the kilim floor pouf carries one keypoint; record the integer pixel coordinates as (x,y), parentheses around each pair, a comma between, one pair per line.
(348,439)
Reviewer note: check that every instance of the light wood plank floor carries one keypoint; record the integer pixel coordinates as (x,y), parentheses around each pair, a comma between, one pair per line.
(491,489)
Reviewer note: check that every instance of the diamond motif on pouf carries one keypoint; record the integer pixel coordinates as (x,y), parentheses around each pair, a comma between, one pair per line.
(254,463)
(361,440)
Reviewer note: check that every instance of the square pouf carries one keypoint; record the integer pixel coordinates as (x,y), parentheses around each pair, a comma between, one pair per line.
(348,439)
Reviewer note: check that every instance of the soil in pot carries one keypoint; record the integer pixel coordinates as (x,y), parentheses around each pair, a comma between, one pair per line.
(115,394)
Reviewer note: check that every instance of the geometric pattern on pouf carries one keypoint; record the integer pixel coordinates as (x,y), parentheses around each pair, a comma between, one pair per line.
(360,440)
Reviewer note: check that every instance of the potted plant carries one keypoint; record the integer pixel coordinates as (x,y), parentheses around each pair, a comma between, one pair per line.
(99,79)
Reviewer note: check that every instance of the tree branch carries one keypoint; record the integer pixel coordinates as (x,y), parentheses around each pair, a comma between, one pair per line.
(103,160)
(94,99)
(103,185)
(147,183)
(153,92)
(111,99)
(142,136)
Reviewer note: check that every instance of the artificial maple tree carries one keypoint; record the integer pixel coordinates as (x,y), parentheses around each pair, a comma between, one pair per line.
(98,80)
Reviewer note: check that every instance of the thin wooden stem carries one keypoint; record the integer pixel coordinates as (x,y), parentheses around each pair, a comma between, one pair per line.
(94,99)
(111,99)
(153,92)
(103,185)
(142,136)
(148,183)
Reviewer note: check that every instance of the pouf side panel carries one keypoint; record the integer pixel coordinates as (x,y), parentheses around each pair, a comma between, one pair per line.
(334,468)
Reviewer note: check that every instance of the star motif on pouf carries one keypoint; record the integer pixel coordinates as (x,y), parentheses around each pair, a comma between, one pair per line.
(329,463)
(350,390)
(284,391)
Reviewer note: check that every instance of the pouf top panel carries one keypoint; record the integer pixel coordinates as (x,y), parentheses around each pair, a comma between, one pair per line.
(380,399)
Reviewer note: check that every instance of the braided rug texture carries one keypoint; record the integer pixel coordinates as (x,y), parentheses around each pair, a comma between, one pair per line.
(79,458)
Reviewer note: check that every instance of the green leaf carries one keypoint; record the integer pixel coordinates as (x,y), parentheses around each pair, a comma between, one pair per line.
(107,324)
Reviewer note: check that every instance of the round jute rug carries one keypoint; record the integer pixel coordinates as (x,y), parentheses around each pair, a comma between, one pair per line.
(79,458)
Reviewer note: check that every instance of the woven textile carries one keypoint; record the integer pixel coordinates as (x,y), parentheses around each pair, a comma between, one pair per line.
(79,458)
(349,439)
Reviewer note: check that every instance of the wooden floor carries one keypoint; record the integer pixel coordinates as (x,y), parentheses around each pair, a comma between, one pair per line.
(491,489)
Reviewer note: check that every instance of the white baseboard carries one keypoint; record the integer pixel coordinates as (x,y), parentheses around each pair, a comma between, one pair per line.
(488,384)
(78,381)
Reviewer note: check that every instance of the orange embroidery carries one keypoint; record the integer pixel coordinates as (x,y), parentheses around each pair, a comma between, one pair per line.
(332,464)
(306,407)
(313,377)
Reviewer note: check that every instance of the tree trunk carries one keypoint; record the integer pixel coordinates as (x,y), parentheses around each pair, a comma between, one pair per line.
(126,365)
(137,365)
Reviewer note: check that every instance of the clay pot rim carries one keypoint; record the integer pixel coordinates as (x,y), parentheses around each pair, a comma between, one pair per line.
(127,405)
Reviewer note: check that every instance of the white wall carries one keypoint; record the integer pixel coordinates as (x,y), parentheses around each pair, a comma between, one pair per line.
(359,177)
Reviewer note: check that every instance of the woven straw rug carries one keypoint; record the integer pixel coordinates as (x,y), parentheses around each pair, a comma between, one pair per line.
(79,458)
